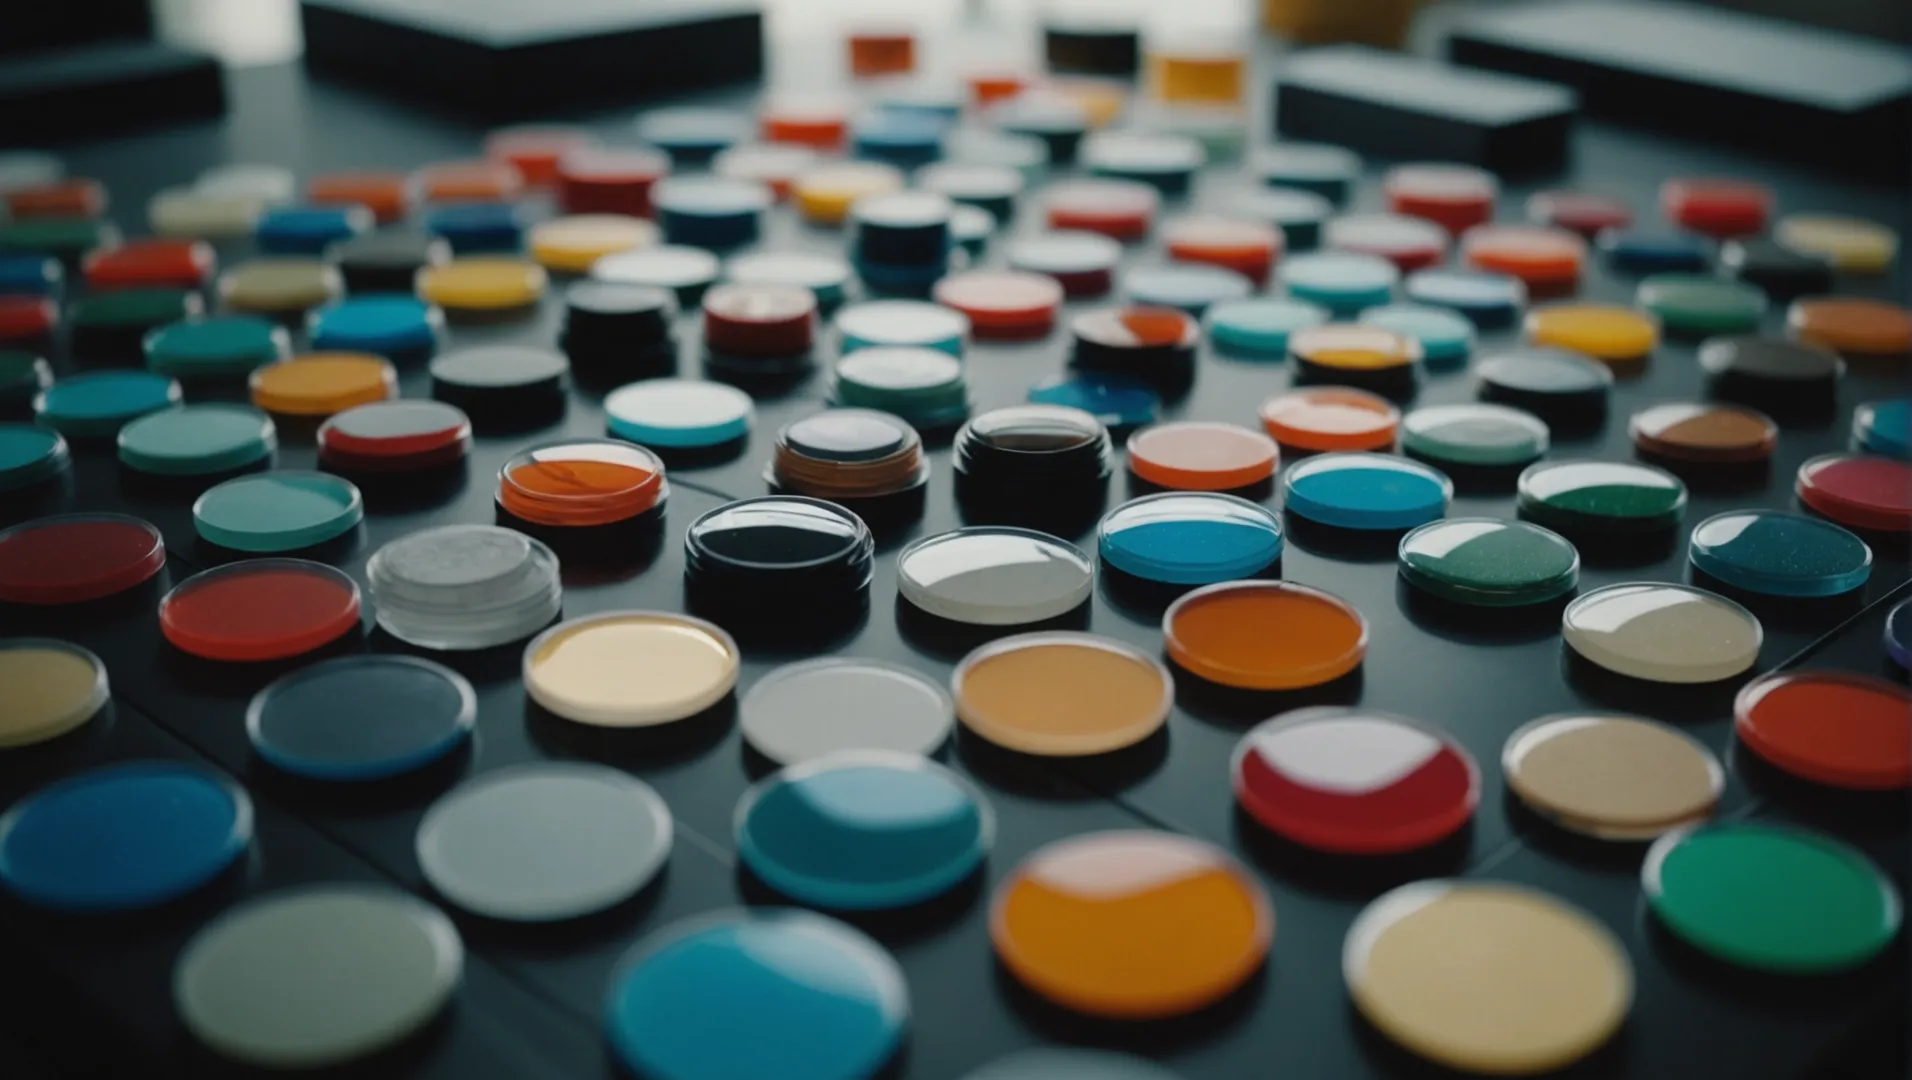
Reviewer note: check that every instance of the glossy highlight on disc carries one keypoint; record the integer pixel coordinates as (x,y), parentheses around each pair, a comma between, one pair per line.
(1489,562)
(1331,418)
(321,384)
(260,609)
(1858,491)
(53,687)
(1491,436)
(630,669)
(74,558)
(1662,633)
(1830,727)
(1608,333)
(1365,491)
(1612,777)
(1703,432)
(582,482)
(1062,694)
(1780,554)
(278,511)
(1190,538)
(1194,455)
(1601,496)
(994,576)
(1265,635)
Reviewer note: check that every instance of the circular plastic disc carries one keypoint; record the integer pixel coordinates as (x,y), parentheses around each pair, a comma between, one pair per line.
(571,245)
(1349,351)
(1444,336)
(1410,243)
(544,842)
(95,405)
(308,230)
(684,269)
(1830,727)
(123,837)
(73,558)
(580,482)
(469,181)
(1159,158)
(484,375)
(1365,491)
(1194,455)
(361,717)
(1190,538)
(1544,379)
(31,454)
(1265,635)
(395,435)
(386,194)
(1257,326)
(1878,427)
(1485,299)
(804,711)
(281,286)
(824,194)
(278,511)
(1002,303)
(1298,214)
(1318,167)
(1247,247)
(864,830)
(1853,326)
(317,976)
(483,283)
(1331,418)
(922,386)
(197,440)
(260,609)
(902,322)
(1771,897)
(1067,1064)
(1062,694)
(1131,925)
(995,576)
(1083,262)
(1118,402)
(1343,282)
(226,345)
(1780,554)
(1663,633)
(1858,490)
(1646,251)
(1352,781)
(1487,977)
(1584,212)
(774,165)
(1122,209)
(320,384)
(464,587)
(1491,436)
(1544,259)
(1614,335)
(679,413)
(1717,207)
(1694,432)
(630,669)
(53,687)
(1488,562)
(1612,777)
(1454,197)
(1849,244)
(1601,496)
(471,227)
(824,275)
(1190,287)
(1698,304)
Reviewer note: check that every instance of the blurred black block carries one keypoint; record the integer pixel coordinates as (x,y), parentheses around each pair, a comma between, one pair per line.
(1789,91)
(67,93)
(32,27)
(1402,107)
(504,58)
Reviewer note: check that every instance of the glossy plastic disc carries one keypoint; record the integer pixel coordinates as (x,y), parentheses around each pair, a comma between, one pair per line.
(1663,633)
(1265,635)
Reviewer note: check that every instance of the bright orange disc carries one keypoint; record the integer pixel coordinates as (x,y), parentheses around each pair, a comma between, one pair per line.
(176,264)
(459,181)
(1249,248)
(1265,635)
(73,197)
(1546,259)
(386,195)
(1851,325)
(1830,727)
(1331,418)
(1196,455)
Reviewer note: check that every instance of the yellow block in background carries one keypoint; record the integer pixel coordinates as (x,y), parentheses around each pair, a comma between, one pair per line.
(1381,23)
(1198,76)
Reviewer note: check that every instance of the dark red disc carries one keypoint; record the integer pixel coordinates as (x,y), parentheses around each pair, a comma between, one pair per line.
(25,318)
(73,197)
(1579,211)
(1719,208)
(760,320)
(178,264)
(74,558)
(1355,782)
(599,180)
(1122,209)
(1859,491)
(1455,197)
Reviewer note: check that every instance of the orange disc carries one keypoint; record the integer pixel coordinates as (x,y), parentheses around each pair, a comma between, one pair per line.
(1544,258)
(1265,635)
(536,150)
(1830,727)
(73,197)
(1852,326)
(323,383)
(1331,418)
(1247,247)
(385,194)
(1197,455)
(1131,924)
(466,181)
(820,122)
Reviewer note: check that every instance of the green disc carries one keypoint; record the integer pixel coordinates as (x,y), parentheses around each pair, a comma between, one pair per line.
(223,345)
(1601,496)
(1702,304)
(29,454)
(1489,562)
(133,309)
(197,440)
(1480,435)
(68,238)
(1771,897)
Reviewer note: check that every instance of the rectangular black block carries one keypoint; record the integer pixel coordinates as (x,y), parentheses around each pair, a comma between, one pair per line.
(500,59)
(33,27)
(62,94)
(1775,88)
(1398,106)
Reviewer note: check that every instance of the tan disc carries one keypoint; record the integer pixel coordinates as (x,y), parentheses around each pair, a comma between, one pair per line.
(1613,777)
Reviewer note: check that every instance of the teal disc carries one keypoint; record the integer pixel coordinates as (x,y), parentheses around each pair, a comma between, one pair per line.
(1771,897)
(1480,435)
(1343,282)
(1446,336)
(197,440)
(278,511)
(1696,304)
(1488,562)
(96,405)
(1780,554)
(134,309)
(223,345)
(1884,427)
(1259,327)
(29,454)
(1601,496)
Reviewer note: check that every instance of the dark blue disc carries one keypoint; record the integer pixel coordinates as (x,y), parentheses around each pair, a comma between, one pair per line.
(1646,251)
(308,230)
(478,226)
(361,717)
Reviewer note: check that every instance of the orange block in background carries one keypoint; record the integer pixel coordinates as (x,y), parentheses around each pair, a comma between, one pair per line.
(881,51)
(74,197)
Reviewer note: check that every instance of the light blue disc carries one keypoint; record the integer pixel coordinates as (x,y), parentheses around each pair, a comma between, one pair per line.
(1259,326)
(124,837)
(1119,402)
(1344,282)
(789,994)
(98,404)
(1366,491)
(1186,287)
(1884,427)
(477,226)
(308,230)
(1190,538)
(1488,299)
(278,511)
(1446,338)
(197,440)
(864,830)
(381,325)
(1780,554)
(900,138)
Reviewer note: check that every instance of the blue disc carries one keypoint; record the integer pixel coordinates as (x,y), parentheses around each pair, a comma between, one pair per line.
(361,717)
(471,227)
(1489,299)
(308,230)
(1119,402)
(282,510)
(903,139)
(1884,427)
(937,99)
(123,837)
(197,440)
(30,275)
(1898,634)
(99,404)
(786,994)
(1780,554)
(1258,326)
(1646,251)
(709,211)
(221,345)
(864,830)
(1341,281)
(1366,491)
(1190,538)
(381,325)
(1446,338)
(1187,287)
(693,135)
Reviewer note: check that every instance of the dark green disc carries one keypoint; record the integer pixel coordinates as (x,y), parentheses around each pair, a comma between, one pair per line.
(1489,562)
(1696,304)
(1601,496)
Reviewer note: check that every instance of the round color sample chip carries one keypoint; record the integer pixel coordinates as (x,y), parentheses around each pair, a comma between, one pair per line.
(924,387)
(824,194)
(1859,491)
(31,454)
(582,482)
(1185,286)
(1717,207)
(464,587)
(1410,243)
(1851,325)
(278,511)
(679,413)
(1601,496)
(73,558)
(394,436)
(1489,436)
(1445,337)
(1543,258)
(1318,167)
(97,404)
(864,830)
(27,318)
(1701,304)
(225,345)
(1779,554)
(1120,209)
(1331,418)
(1486,299)
(1584,212)
(787,994)
(1849,244)
(1829,727)
(1117,401)
(53,687)
(1612,777)
(123,837)
(1354,781)
(197,440)
(1488,562)
(1545,380)
(630,669)
(182,264)
(1062,694)
(1193,455)
(902,322)
(361,718)
(1343,351)
(1690,431)
(1771,897)
(1487,977)
(1662,632)
(995,576)
(1878,427)
(260,609)
(1343,282)
(687,270)
(570,245)
(1082,262)
(1193,538)
(320,384)
(1265,635)
(317,976)
(1612,334)
(1455,197)
(1045,1063)
(283,287)
(1003,303)
(1365,491)
(804,711)
(1260,327)
(1247,247)
(1131,925)
(385,194)
(483,284)
(544,842)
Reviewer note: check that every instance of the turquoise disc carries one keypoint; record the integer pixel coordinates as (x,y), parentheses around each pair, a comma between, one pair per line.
(1702,303)
(1479,435)
(96,405)
(29,454)
(278,511)
(1259,326)
(1343,282)
(1446,338)
(197,440)
(1780,554)
(1884,427)
(223,345)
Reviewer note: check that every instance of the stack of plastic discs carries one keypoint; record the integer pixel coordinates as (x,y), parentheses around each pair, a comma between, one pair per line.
(1155,345)
(900,242)
(868,462)
(759,330)
(923,386)
(464,587)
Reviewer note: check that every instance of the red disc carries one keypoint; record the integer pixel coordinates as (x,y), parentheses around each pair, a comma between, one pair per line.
(822,123)
(24,318)
(1830,727)
(1545,259)
(260,609)
(1579,211)
(1355,782)
(1858,490)
(597,180)
(1122,209)
(395,436)
(1410,243)
(1720,208)
(536,150)
(73,558)
(759,320)
(179,264)
(1003,303)
(1455,197)
(74,197)
(1247,247)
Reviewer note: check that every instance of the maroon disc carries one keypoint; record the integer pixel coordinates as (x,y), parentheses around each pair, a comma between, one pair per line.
(73,558)
(1579,211)
(759,320)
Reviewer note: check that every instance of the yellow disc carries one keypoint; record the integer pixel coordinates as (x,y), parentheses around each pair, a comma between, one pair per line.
(1487,977)
(279,286)
(52,688)
(824,194)
(486,283)
(1848,243)
(1099,100)
(322,384)
(570,245)
(1606,332)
